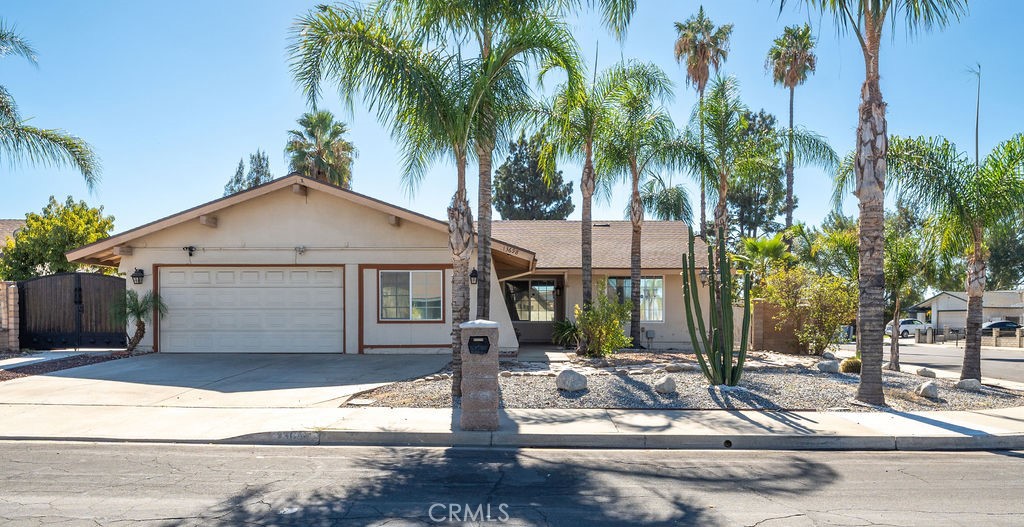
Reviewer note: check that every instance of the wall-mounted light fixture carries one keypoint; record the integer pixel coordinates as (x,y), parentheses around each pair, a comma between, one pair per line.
(473,276)
(137,276)
(703,276)
(558,290)
(191,250)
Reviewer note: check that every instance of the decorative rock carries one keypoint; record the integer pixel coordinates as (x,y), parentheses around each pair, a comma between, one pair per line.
(925,372)
(505,373)
(646,371)
(885,365)
(829,366)
(658,371)
(973,385)
(928,389)
(828,355)
(553,374)
(665,385)
(571,381)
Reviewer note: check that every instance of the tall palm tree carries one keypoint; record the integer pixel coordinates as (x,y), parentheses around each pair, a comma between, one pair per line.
(428,98)
(665,201)
(643,141)
(24,143)
(867,20)
(791,59)
(703,47)
(509,36)
(575,121)
(966,201)
(319,149)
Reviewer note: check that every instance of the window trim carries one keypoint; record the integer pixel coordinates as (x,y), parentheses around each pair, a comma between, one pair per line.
(410,270)
(664,296)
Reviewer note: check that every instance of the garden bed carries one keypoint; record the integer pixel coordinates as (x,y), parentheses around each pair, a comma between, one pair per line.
(762,388)
(41,368)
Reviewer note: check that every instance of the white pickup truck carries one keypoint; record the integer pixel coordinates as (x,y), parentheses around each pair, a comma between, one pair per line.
(907,327)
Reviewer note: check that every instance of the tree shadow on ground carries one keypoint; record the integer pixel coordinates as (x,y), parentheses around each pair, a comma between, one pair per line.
(399,487)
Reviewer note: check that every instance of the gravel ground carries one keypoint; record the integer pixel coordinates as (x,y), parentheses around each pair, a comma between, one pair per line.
(41,368)
(763,388)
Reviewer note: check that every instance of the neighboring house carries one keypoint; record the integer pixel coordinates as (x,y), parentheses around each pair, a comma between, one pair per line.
(550,293)
(297,265)
(948,309)
(7,230)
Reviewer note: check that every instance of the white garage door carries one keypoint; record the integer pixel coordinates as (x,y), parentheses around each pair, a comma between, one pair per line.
(252,309)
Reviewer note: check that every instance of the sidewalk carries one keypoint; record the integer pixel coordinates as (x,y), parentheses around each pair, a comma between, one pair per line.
(674,429)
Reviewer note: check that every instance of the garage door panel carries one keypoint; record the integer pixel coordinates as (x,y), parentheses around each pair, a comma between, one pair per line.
(252,309)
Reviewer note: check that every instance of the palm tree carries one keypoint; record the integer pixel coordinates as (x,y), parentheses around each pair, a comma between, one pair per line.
(665,201)
(791,58)
(575,121)
(867,21)
(642,141)
(907,257)
(428,98)
(320,151)
(966,201)
(132,308)
(23,143)
(764,255)
(703,47)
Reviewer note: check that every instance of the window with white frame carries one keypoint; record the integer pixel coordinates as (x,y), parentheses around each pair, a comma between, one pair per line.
(652,295)
(411,295)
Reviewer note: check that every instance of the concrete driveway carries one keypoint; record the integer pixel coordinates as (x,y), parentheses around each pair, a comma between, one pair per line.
(220,380)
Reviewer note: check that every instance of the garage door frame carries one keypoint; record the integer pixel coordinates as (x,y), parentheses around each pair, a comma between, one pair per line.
(344,292)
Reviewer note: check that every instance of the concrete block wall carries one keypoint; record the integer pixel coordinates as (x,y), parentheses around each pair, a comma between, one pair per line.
(9,317)
(766,333)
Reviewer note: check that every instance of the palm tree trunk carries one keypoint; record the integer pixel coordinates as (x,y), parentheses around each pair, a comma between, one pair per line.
(703,176)
(976,265)
(636,216)
(721,208)
(460,241)
(789,168)
(483,257)
(894,346)
(587,185)
(140,331)
(872,144)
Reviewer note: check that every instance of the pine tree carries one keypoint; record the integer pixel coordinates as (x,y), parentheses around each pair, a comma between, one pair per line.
(520,192)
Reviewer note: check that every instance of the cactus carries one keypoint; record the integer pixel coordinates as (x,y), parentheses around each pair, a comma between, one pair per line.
(714,344)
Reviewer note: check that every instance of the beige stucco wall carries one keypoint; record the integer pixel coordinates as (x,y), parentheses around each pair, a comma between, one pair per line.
(266,230)
(670,333)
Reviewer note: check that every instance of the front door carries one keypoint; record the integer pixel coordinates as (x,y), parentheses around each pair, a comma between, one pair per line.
(534,304)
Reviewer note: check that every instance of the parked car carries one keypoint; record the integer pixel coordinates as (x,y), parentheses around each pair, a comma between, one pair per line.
(1005,328)
(907,327)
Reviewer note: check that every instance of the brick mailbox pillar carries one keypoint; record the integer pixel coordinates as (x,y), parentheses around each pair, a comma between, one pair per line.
(479,375)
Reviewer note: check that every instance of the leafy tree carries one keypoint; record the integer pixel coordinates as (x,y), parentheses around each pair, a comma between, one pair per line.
(867,21)
(259,173)
(520,190)
(791,59)
(1005,264)
(135,309)
(704,48)
(23,143)
(319,149)
(38,249)
(756,196)
(907,256)
(819,304)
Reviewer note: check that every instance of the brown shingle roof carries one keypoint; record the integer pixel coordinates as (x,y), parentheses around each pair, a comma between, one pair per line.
(7,228)
(557,243)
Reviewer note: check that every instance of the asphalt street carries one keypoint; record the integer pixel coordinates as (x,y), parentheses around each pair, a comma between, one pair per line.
(998,363)
(169,485)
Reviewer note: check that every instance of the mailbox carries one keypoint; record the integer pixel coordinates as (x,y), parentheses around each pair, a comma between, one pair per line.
(479,345)
(480,394)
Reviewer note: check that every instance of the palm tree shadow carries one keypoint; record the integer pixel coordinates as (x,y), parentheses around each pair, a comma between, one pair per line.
(409,484)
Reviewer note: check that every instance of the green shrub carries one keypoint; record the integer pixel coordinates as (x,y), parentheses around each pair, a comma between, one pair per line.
(601,327)
(566,334)
(850,365)
(818,304)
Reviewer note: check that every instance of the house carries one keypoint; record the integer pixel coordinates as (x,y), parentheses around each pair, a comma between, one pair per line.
(7,230)
(298,265)
(948,309)
(552,290)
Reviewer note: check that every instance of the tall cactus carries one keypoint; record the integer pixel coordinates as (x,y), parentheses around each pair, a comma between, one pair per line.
(714,344)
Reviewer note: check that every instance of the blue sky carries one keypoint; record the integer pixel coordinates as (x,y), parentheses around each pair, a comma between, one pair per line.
(172,94)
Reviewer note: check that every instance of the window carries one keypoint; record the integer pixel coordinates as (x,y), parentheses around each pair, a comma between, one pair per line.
(411,295)
(652,295)
(531,300)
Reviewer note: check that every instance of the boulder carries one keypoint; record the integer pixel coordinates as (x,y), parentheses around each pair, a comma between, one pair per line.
(506,373)
(828,355)
(571,381)
(928,389)
(665,385)
(925,372)
(973,385)
(829,366)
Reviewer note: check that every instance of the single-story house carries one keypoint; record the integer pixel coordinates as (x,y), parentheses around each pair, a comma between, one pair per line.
(7,230)
(298,265)
(948,309)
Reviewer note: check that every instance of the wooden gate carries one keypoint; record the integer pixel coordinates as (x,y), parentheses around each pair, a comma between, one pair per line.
(71,310)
